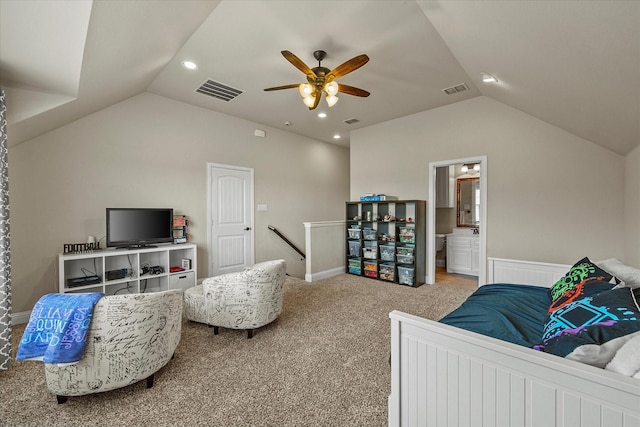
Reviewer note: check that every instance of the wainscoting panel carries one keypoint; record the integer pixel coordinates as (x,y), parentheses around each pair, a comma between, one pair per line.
(525,272)
(441,375)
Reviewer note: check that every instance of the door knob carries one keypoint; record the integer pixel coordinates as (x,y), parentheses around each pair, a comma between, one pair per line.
(247,228)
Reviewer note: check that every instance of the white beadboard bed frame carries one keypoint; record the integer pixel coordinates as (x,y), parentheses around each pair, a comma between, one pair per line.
(446,376)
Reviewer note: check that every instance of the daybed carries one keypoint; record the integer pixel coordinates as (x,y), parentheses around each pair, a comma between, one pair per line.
(443,375)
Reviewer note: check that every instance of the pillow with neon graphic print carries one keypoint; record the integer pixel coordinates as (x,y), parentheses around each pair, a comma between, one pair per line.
(583,279)
(592,329)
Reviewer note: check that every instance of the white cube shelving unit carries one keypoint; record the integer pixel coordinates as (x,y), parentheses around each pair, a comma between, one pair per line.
(136,262)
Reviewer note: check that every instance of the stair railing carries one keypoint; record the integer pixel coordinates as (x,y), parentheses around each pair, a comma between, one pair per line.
(287,241)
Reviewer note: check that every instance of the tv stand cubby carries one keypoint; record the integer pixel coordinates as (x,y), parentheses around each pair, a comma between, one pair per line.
(123,271)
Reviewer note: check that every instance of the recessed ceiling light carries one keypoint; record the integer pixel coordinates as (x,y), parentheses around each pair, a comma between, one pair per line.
(189,65)
(488,78)
(322,115)
(336,136)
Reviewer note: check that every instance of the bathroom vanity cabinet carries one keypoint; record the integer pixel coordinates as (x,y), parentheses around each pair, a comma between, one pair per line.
(463,253)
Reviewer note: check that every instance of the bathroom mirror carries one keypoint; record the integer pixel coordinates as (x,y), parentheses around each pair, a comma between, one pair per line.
(468,202)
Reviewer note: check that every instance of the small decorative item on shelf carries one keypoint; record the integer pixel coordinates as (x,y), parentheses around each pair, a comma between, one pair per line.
(77,248)
(376,198)
(180,224)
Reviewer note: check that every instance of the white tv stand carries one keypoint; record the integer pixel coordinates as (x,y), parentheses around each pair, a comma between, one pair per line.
(135,261)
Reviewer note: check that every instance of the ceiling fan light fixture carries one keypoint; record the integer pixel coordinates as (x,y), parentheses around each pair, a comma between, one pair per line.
(331,88)
(305,90)
(331,100)
(321,79)
(309,101)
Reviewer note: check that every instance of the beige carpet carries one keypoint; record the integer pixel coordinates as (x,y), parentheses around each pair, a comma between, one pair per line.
(323,362)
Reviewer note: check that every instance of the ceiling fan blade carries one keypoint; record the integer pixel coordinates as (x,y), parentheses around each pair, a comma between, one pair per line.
(316,101)
(297,62)
(347,67)
(350,90)
(295,85)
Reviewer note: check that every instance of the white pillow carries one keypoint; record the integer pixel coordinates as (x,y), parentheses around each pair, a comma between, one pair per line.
(629,275)
(627,359)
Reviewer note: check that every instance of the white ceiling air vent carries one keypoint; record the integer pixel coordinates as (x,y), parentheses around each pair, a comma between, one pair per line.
(351,121)
(455,89)
(218,90)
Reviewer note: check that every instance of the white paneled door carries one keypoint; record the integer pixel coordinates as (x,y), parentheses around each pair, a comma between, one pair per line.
(230,218)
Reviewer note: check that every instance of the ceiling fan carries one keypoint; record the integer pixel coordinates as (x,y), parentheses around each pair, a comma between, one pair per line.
(321,79)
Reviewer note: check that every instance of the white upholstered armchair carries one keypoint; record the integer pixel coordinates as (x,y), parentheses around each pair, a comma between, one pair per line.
(247,299)
(131,337)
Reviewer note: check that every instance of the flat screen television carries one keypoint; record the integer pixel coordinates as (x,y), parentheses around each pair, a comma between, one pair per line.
(139,227)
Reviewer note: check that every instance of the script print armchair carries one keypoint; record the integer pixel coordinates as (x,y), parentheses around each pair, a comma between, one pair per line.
(130,338)
(244,300)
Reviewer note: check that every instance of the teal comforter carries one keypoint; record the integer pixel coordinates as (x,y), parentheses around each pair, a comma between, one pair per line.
(509,312)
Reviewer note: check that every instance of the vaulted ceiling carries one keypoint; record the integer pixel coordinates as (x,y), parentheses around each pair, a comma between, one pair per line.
(573,64)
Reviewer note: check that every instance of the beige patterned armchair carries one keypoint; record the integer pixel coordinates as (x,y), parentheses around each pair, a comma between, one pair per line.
(130,338)
(247,299)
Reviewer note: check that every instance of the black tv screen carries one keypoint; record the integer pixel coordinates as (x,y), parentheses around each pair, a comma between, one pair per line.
(139,227)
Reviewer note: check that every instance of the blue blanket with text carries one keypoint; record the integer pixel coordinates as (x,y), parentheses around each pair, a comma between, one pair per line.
(58,328)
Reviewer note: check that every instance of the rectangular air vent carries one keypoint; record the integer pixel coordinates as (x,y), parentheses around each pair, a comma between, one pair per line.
(455,89)
(351,121)
(218,90)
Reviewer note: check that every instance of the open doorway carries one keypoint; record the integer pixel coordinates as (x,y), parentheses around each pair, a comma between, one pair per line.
(480,225)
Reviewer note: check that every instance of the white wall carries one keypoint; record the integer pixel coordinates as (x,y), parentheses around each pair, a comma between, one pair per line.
(632,208)
(552,196)
(150,151)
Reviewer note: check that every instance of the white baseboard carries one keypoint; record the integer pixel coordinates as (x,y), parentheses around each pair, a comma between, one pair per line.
(323,274)
(19,318)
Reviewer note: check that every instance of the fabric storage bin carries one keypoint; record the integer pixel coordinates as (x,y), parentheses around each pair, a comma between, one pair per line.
(387,272)
(355,266)
(354,233)
(405,259)
(407,235)
(405,275)
(369,234)
(354,248)
(371,268)
(387,252)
